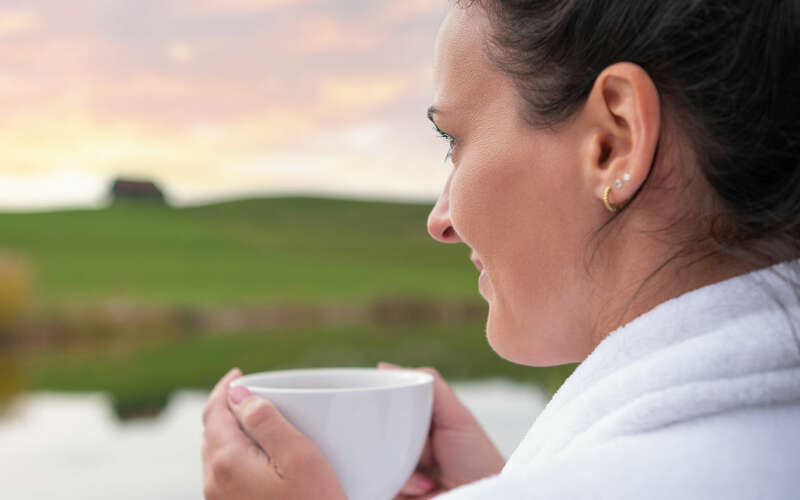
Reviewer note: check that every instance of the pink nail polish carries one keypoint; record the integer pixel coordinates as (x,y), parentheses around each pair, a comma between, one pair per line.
(424,484)
(239,394)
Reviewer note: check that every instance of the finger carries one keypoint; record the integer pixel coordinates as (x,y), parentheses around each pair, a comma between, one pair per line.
(427,458)
(417,485)
(383,365)
(217,400)
(218,395)
(448,410)
(427,496)
(265,424)
(220,425)
(223,430)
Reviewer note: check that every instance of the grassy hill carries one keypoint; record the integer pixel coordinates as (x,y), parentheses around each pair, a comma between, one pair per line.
(242,252)
(287,250)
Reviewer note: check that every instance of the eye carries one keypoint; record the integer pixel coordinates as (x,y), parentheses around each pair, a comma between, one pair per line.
(450,141)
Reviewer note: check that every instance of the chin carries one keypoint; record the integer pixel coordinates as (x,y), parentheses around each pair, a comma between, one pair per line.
(519,344)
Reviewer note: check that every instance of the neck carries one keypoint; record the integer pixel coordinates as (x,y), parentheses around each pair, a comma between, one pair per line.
(648,274)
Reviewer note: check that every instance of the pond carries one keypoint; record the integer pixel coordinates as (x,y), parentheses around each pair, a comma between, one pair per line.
(62,446)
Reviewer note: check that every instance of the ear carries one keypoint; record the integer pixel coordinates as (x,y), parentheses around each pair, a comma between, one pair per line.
(624,111)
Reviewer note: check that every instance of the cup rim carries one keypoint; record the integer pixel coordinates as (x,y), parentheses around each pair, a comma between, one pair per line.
(414,378)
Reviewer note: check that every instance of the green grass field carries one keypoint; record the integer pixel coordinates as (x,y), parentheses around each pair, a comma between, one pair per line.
(289,250)
(243,252)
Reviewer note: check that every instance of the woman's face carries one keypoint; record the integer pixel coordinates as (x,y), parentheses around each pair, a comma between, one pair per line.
(515,197)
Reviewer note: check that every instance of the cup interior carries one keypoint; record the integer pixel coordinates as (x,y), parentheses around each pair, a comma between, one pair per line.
(334,379)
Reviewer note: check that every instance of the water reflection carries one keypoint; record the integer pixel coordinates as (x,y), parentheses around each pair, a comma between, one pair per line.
(58,446)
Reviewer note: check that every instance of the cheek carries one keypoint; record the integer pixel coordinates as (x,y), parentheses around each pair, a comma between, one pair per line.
(512,211)
(483,206)
(495,207)
(519,217)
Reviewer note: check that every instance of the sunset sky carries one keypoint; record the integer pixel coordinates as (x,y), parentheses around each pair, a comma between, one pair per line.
(217,98)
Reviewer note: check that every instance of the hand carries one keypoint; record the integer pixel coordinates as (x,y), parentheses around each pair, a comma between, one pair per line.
(277,462)
(457,451)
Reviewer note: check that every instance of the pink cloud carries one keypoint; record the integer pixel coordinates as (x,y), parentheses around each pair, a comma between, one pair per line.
(177,87)
(320,34)
(233,7)
(399,11)
(13,22)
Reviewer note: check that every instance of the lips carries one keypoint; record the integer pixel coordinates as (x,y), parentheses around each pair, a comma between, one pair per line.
(475,260)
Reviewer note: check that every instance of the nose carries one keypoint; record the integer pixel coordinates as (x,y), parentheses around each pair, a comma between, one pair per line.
(440,226)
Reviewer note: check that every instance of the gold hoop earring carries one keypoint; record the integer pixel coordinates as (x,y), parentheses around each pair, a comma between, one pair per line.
(609,206)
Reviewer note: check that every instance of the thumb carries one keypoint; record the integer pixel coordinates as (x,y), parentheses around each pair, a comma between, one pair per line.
(417,485)
(262,421)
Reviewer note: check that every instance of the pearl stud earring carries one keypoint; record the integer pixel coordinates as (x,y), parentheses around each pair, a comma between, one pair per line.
(619,183)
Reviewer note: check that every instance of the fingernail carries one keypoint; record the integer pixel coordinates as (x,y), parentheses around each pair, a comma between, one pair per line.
(424,484)
(420,486)
(236,372)
(239,394)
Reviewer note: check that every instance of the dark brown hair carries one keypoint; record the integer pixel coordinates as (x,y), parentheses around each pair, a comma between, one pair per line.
(729,69)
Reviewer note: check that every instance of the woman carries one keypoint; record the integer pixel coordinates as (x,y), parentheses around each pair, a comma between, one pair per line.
(614,163)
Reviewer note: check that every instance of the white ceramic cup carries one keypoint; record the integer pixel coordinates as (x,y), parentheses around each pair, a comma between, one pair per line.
(370,424)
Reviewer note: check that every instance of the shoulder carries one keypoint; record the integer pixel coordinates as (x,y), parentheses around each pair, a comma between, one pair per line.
(749,453)
(746,454)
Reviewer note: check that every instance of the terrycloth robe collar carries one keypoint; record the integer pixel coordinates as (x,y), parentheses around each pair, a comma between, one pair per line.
(698,398)
(723,347)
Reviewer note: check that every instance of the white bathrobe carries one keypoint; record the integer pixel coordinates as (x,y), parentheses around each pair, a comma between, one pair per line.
(697,399)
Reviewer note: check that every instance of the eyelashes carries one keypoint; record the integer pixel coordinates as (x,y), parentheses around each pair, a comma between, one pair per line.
(451,142)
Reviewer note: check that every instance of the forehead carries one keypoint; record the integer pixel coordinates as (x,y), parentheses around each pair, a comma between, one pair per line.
(461,69)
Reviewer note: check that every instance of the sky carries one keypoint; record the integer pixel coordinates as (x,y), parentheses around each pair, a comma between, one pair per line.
(217,99)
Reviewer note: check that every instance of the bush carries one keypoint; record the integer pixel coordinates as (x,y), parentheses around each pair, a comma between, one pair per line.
(15,291)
